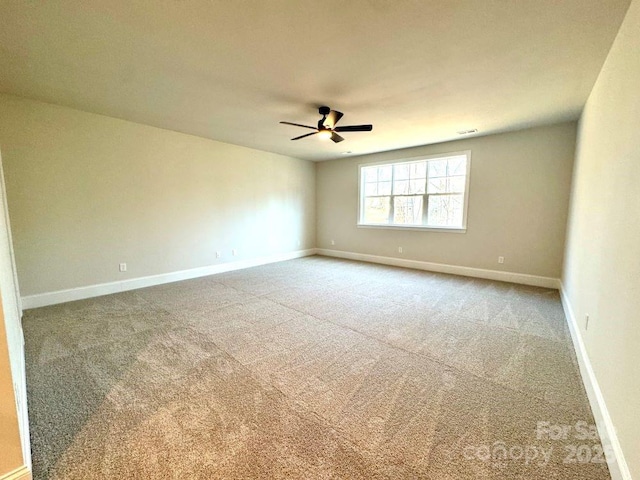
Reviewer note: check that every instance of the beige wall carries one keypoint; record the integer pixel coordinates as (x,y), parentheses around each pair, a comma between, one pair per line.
(87,192)
(602,268)
(518,200)
(10,446)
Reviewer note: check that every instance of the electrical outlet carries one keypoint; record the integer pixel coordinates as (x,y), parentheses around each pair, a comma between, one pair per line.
(233,252)
(500,259)
(123,267)
(586,322)
(218,254)
(333,242)
(399,249)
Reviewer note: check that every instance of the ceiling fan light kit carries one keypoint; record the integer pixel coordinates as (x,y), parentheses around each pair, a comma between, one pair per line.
(324,134)
(327,128)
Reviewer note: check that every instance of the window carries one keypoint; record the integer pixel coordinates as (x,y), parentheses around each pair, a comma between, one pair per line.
(425,193)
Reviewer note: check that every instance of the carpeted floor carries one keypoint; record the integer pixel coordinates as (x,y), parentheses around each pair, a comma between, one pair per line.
(308,369)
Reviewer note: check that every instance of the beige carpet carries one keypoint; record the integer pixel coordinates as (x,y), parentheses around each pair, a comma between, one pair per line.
(309,369)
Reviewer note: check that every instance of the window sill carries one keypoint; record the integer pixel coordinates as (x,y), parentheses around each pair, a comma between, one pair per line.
(415,227)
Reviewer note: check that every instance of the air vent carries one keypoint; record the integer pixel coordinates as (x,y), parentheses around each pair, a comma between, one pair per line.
(467,132)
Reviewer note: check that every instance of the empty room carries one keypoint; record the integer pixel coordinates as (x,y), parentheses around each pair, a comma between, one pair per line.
(319,240)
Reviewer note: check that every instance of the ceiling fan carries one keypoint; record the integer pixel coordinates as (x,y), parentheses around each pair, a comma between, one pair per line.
(327,126)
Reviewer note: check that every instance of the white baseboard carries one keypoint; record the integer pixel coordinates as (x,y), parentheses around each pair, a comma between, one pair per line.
(608,436)
(521,278)
(69,295)
(20,473)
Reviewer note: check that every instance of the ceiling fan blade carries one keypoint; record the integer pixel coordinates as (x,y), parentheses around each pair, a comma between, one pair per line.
(306,135)
(298,125)
(354,128)
(336,138)
(333,118)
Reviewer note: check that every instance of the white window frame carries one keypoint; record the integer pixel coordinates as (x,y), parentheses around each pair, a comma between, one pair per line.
(427,158)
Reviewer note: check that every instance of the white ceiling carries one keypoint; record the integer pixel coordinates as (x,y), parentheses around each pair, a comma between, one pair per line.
(418,70)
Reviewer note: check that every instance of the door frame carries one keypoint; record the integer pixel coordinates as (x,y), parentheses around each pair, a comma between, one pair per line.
(12,306)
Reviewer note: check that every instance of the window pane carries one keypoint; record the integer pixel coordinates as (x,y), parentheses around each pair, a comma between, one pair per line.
(457,165)
(437,168)
(446,185)
(445,210)
(401,172)
(407,210)
(416,187)
(384,188)
(437,185)
(376,210)
(384,173)
(419,170)
(370,189)
(456,184)
(401,187)
(370,174)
